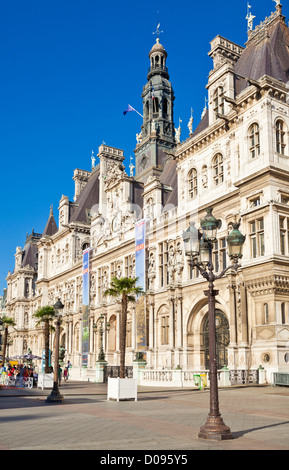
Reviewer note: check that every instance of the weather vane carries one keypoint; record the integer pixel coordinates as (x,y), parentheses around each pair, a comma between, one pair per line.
(158,32)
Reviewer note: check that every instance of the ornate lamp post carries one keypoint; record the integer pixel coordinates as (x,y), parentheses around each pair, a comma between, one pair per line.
(55,396)
(102,329)
(1,336)
(198,247)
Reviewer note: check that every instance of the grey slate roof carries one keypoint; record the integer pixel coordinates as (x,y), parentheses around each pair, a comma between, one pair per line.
(88,197)
(267,53)
(169,178)
(51,227)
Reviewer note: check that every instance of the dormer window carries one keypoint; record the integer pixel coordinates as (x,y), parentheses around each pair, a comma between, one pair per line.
(219,101)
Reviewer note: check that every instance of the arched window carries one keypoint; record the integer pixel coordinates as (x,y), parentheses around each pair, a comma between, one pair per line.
(222,339)
(254,140)
(147,109)
(219,101)
(155,105)
(280,137)
(218,169)
(193,183)
(165,106)
(165,329)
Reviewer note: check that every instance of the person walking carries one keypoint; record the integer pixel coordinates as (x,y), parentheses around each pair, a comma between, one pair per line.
(65,374)
(59,375)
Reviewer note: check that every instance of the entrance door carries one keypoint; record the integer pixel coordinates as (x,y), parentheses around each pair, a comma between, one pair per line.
(222,339)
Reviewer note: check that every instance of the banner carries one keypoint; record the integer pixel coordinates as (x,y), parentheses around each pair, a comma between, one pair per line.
(85,307)
(140,272)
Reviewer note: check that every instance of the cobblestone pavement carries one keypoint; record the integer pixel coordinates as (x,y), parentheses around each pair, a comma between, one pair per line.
(161,419)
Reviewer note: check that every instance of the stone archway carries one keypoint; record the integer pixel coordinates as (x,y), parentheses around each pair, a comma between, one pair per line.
(222,339)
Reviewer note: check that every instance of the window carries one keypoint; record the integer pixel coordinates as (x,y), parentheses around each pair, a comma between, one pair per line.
(284,235)
(129,266)
(280,137)
(155,106)
(254,140)
(283,313)
(193,183)
(165,330)
(266,313)
(219,255)
(165,106)
(218,169)
(219,101)
(257,238)
(163,263)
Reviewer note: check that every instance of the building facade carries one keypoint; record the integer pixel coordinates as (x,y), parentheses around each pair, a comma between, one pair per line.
(237,162)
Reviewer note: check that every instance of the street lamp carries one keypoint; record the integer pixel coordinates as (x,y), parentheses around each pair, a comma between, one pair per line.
(1,334)
(55,396)
(101,329)
(198,247)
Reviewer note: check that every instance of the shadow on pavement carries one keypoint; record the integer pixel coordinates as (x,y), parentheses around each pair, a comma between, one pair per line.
(246,431)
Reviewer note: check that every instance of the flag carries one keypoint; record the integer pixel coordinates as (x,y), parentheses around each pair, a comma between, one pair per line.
(128,109)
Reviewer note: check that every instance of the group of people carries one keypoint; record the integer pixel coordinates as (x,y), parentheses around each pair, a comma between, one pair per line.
(64,373)
(19,373)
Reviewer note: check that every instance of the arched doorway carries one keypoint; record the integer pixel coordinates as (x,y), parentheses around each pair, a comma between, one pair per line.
(222,339)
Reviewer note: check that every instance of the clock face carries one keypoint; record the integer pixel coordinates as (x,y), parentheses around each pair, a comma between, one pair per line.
(116,223)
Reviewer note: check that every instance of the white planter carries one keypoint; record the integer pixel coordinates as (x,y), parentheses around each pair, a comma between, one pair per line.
(45,381)
(121,389)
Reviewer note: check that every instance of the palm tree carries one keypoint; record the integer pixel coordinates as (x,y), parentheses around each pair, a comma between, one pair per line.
(127,289)
(7,321)
(45,315)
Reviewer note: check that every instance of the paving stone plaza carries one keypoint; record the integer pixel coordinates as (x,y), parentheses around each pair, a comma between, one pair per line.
(160,420)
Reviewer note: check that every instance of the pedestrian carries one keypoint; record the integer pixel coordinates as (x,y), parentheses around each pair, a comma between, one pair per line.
(21,376)
(65,374)
(59,375)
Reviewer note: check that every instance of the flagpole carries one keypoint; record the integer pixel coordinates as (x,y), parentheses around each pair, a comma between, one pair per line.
(139,113)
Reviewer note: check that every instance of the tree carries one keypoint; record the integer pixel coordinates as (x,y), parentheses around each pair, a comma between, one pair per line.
(126,288)
(7,321)
(45,315)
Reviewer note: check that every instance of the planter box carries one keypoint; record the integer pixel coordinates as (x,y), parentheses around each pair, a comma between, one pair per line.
(121,389)
(45,381)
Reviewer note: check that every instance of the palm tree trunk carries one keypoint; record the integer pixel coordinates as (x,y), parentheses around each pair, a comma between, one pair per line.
(5,344)
(46,346)
(123,335)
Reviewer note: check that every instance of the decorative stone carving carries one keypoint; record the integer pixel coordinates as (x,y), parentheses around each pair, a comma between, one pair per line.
(114,174)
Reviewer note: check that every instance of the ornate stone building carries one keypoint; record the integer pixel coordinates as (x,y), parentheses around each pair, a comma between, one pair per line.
(236,161)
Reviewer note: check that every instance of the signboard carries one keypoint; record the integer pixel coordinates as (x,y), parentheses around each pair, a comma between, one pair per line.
(140,272)
(85,307)
(43,359)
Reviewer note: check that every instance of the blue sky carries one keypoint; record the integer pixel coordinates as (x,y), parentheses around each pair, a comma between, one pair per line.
(68,71)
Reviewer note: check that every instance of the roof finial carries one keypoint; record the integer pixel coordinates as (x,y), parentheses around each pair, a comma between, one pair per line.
(51,209)
(92,159)
(278,6)
(131,167)
(250,18)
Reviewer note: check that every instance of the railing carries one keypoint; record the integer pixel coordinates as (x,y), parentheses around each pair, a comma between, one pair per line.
(196,378)
(16,382)
(281,378)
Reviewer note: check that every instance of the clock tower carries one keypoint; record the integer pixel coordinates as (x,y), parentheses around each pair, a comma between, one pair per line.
(157,137)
